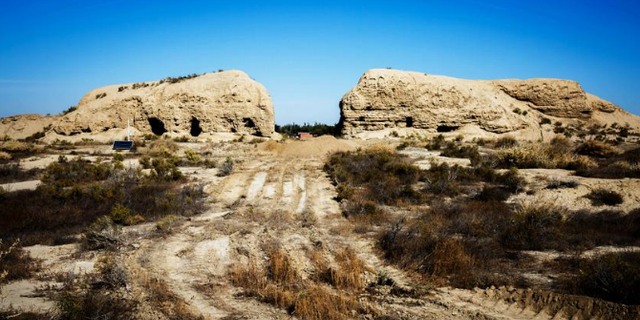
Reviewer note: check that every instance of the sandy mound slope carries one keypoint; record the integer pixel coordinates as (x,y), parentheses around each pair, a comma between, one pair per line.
(316,147)
(393,99)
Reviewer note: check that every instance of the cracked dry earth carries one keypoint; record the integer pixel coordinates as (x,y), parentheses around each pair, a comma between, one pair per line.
(289,202)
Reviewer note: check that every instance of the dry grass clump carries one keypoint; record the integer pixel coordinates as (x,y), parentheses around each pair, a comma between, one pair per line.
(15,263)
(280,284)
(13,172)
(597,149)
(98,296)
(348,273)
(163,148)
(602,196)
(4,156)
(533,227)
(611,276)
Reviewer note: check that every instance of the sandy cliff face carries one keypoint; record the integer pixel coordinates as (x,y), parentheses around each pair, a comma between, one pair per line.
(391,99)
(217,102)
(227,101)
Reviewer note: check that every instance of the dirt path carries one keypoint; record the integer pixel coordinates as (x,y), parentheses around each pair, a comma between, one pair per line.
(264,201)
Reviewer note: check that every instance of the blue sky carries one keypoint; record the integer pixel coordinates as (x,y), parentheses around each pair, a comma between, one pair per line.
(309,53)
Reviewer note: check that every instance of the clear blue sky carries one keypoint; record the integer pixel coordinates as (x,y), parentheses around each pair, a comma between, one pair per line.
(307,53)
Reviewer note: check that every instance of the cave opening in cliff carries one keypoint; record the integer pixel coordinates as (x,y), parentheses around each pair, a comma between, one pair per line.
(196,130)
(409,122)
(446,128)
(157,126)
(248,123)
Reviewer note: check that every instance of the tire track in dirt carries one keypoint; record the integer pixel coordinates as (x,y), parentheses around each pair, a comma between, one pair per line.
(198,252)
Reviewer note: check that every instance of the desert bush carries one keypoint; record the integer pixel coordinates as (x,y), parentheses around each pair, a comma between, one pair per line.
(533,227)
(57,209)
(602,196)
(597,149)
(145,162)
(102,234)
(166,169)
(380,176)
(163,148)
(101,95)
(455,150)
(37,136)
(226,168)
(192,156)
(12,173)
(122,215)
(68,173)
(15,263)
(506,142)
(544,121)
(166,224)
(69,110)
(92,303)
(435,143)
(181,139)
(585,229)
(612,276)
(562,184)
(118,157)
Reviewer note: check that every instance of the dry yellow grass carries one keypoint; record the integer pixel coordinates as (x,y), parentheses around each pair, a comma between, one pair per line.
(279,283)
(4,156)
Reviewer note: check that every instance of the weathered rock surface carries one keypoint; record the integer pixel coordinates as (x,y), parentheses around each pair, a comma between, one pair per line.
(228,101)
(23,126)
(391,99)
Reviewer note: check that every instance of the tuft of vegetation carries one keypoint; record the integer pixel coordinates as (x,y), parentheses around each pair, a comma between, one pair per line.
(69,110)
(101,95)
(601,197)
(279,283)
(611,276)
(226,168)
(163,148)
(172,80)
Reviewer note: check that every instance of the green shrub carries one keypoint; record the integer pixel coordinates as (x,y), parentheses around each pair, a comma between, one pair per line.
(145,162)
(192,156)
(118,157)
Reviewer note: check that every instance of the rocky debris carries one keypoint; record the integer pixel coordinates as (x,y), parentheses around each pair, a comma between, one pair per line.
(391,99)
(227,101)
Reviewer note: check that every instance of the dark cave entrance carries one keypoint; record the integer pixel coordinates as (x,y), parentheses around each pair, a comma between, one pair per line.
(445,128)
(248,123)
(157,126)
(196,130)
(409,122)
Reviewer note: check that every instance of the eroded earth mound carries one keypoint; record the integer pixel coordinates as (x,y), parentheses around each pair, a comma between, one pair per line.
(386,99)
(228,101)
